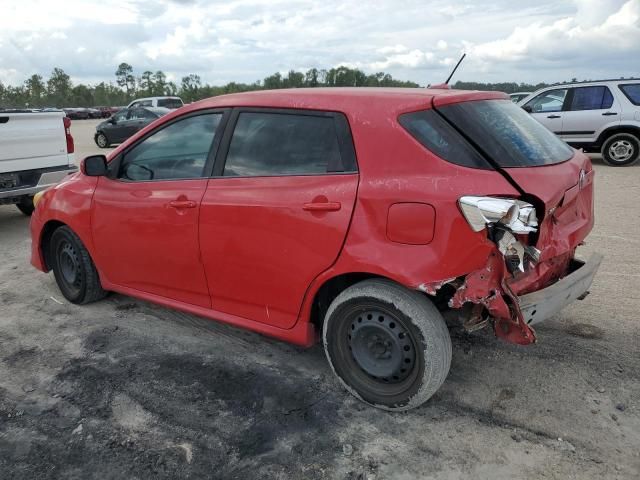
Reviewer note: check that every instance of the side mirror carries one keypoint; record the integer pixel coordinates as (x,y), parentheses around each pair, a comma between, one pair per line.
(94,166)
(527,108)
(112,120)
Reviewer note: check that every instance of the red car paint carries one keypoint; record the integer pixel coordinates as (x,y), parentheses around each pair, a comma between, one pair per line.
(255,252)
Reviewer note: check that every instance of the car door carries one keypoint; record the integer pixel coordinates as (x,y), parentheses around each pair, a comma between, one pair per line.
(547,108)
(276,212)
(115,127)
(145,212)
(590,110)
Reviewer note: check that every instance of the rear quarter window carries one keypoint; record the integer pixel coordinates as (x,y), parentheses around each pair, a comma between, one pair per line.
(436,135)
(632,92)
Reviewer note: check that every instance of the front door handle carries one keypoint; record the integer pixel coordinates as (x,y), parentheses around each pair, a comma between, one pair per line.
(553,116)
(606,114)
(183,204)
(322,206)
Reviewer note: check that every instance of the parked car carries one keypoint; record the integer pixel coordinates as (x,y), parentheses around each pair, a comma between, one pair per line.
(106,112)
(166,102)
(517,96)
(125,123)
(359,216)
(76,113)
(601,116)
(94,113)
(36,152)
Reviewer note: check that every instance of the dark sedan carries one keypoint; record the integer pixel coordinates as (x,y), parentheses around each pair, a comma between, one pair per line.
(125,123)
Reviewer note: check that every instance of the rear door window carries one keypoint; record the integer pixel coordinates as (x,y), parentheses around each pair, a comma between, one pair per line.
(632,92)
(591,98)
(269,144)
(506,134)
(170,102)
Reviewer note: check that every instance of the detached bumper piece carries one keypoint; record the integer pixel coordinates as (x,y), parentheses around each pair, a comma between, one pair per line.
(543,304)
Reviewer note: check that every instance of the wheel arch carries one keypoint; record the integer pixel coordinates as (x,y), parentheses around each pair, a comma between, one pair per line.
(45,241)
(329,288)
(632,129)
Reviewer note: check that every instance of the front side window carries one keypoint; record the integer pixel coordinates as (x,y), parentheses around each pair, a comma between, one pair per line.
(591,98)
(268,144)
(178,151)
(547,102)
(632,92)
(121,115)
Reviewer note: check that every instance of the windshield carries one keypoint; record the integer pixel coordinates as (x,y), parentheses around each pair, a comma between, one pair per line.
(170,102)
(506,134)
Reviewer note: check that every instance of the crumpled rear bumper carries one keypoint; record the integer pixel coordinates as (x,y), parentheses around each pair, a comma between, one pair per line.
(542,304)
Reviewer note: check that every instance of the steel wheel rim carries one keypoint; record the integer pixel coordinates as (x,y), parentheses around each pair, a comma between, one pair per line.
(69,263)
(381,346)
(102,140)
(621,150)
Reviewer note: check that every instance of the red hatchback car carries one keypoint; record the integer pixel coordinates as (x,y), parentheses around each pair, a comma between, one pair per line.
(355,215)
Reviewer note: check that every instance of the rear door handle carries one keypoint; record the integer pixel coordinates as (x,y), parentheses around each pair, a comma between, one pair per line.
(183,204)
(553,116)
(322,206)
(606,114)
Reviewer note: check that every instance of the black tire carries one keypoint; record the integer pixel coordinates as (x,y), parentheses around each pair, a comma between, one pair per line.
(400,353)
(102,141)
(25,205)
(621,150)
(75,273)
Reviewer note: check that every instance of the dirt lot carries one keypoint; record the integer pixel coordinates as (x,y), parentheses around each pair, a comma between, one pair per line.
(125,389)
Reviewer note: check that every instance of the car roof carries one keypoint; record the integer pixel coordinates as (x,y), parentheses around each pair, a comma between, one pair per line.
(592,82)
(155,98)
(158,110)
(345,99)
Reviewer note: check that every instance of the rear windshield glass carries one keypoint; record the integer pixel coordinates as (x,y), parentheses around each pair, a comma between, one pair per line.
(170,102)
(632,91)
(507,134)
(434,133)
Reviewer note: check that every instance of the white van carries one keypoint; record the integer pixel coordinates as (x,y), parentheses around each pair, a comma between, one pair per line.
(166,102)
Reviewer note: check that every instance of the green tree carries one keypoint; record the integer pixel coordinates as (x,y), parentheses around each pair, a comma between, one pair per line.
(146,83)
(36,90)
(59,88)
(125,78)
(190,87)
(159,83)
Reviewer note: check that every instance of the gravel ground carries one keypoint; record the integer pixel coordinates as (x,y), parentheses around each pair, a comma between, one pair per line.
(125,389)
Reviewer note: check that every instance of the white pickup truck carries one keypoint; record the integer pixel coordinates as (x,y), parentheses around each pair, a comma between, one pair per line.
(36,152)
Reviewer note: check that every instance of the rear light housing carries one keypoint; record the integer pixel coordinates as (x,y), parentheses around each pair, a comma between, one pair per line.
(67,132)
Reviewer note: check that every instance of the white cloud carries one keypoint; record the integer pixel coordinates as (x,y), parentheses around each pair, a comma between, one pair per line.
(245,40)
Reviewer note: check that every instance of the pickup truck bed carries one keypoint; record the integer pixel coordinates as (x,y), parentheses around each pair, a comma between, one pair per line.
(36,152)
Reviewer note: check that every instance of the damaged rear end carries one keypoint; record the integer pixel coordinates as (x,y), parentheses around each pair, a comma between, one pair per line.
(532,271)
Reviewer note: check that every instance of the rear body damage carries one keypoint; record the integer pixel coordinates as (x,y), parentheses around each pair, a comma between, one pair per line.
(514,289)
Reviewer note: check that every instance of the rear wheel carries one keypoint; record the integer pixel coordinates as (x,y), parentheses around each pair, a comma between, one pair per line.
(621,149)
(26,205)
(388,345)
(102,141)
(75,273)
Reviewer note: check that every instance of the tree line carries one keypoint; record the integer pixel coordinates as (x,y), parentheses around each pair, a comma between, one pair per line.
(59,91)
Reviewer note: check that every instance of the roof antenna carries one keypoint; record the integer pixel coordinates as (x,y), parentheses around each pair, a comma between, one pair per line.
(445,85)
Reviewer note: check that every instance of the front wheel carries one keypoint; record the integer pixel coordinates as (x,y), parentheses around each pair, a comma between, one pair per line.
(102,141)
(389,346)
(75,273)
(25,205)
(621,149)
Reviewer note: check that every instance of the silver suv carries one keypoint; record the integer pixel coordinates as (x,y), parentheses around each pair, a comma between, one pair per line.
(601,116)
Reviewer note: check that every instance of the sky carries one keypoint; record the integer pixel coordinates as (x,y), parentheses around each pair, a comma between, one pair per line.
(246,40)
